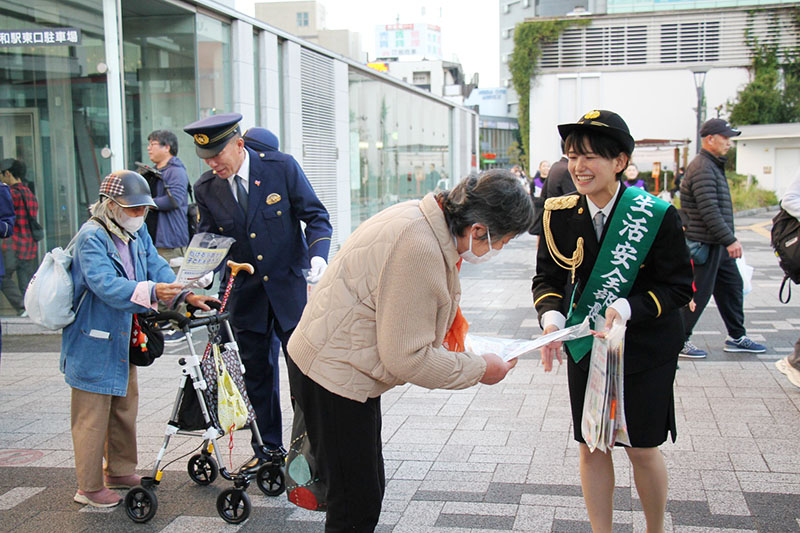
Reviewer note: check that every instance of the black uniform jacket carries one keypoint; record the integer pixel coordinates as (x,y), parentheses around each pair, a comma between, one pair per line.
(270,238)
(655,332)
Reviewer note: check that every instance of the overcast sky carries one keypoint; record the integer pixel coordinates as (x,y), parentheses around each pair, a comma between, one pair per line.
(469,29)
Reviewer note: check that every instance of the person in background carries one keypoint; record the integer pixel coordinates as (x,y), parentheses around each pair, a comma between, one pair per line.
(171,195)
(790,365)
(536,186)
(676,189)
(7,219)
(632,178)
(706,200)
(636,274)
(386,313)
(20,253)
(260,198)
(116,273)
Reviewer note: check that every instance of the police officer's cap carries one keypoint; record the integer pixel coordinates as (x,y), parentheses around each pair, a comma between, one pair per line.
(603,122)
(211,134)
(127,189)
(261,139)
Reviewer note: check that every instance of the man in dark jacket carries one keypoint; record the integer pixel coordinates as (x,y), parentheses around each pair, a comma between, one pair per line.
(706,200)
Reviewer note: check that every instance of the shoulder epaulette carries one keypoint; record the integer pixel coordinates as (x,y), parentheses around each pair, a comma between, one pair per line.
(561,202)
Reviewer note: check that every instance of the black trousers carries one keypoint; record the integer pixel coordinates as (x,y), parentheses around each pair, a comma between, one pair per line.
(260,354)
(719,277)
(345,438)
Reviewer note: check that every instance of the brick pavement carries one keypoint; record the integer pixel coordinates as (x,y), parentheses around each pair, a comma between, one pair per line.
(497,458)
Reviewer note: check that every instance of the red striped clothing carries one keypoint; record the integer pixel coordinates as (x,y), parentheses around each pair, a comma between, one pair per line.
(21,241)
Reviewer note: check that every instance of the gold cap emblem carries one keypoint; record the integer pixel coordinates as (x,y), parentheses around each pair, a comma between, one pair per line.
(273,198)
(592,114)
(201,139)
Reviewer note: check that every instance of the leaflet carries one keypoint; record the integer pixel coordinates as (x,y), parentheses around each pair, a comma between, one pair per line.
(204,254)
(509,349)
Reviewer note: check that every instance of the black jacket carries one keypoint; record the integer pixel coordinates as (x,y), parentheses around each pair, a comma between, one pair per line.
(655,331)
(706,200)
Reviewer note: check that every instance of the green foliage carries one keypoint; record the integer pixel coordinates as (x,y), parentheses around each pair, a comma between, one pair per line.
(746,194)
(773,94)
(516,156)
(528,40)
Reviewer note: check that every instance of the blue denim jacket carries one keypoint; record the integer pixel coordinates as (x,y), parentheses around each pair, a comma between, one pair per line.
(94,348)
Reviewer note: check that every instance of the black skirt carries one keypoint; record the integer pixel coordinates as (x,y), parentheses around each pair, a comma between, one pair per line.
(649,403)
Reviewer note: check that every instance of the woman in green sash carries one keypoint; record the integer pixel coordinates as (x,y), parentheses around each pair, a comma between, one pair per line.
(619,255)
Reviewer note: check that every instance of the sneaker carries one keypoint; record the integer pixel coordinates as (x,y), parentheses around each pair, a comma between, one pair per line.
(174,337)
(123,482)
(690,351)
(791,372)
(744,344)
(100,498)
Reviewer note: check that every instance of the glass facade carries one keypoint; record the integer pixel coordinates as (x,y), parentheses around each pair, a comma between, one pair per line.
(54,108)
(213,66)
(399,145)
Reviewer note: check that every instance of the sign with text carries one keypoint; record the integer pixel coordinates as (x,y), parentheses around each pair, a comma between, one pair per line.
(40,37)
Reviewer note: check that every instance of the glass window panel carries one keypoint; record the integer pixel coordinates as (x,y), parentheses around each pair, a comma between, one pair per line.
(213,66)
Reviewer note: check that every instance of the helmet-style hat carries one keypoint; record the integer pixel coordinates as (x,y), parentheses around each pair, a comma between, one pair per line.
(127,189)
(603,122)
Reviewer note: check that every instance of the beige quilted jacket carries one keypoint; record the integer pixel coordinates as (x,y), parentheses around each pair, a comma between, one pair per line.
(379,314)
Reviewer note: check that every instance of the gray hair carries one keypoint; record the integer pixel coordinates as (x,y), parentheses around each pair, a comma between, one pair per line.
(102,208)
(494,198)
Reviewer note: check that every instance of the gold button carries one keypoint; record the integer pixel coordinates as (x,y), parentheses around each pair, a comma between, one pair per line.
(574,306)
(259,257)
(220,228)
(266,278)
(252,235)
(279,213)
(261,154)
(580,210)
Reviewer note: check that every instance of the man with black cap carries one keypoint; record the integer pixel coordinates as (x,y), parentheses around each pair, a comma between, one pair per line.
(706,200)
(259,199)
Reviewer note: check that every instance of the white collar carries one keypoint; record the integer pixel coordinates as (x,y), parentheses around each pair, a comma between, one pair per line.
(244,172)
(593,209)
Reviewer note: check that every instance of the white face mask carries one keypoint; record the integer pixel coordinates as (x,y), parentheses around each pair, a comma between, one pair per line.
(470,257)
(129,224)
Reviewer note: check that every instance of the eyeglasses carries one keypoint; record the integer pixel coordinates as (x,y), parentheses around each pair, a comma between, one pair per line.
(154,143)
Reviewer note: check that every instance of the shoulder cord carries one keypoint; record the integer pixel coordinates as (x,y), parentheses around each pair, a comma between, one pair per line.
(567,263)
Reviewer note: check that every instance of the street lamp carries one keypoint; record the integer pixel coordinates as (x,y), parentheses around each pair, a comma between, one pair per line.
(699,84)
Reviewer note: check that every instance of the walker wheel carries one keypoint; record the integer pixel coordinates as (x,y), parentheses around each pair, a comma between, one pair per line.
(141,504)
(233,505)
(271,479)
(202,469)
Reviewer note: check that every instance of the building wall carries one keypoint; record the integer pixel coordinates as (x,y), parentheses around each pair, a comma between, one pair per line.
(774,162)
(288,15)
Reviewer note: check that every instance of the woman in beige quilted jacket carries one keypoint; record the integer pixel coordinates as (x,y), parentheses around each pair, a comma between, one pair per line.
(385,313)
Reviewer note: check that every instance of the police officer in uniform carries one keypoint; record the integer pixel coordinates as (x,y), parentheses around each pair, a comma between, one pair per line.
(259,199)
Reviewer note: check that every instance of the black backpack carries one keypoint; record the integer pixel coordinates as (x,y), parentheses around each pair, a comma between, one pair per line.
(786,243)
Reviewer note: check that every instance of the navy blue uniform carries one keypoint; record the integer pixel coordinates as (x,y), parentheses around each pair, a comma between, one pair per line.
(269,238)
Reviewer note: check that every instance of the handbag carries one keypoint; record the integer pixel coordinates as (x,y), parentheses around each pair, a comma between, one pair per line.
(147,342)
(37,231)
(303,486)
(231,408)
(698,251)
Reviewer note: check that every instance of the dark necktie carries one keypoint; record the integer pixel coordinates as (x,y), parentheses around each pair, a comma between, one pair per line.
(598,224)
(241,194)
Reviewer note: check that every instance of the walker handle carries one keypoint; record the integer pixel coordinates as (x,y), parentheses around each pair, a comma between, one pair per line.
(236,267)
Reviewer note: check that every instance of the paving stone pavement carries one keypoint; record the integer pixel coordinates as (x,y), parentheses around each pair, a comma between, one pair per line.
(490,458)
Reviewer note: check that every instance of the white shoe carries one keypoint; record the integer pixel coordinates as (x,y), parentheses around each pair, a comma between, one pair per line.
(791,372)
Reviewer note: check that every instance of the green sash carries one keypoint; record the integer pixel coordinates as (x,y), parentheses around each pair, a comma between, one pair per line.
(630,234)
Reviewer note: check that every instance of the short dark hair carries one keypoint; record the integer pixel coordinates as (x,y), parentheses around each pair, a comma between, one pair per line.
(18,169)
(495,198)
(606,147)
(165,138)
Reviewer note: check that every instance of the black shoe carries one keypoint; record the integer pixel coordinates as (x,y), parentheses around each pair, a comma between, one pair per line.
(252,465)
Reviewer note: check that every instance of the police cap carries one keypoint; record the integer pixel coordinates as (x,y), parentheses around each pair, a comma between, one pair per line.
(261,139)
(211,134)
(603,122)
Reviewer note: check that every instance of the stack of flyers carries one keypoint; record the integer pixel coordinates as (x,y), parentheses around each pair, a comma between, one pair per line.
(603,423)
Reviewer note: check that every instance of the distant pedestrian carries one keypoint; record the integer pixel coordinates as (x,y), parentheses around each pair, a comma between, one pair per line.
(790,365)
(706,200)
(632,178)
(20,252)
(538,179)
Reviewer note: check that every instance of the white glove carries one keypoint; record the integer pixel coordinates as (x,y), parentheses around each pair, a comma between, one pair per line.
(318,266)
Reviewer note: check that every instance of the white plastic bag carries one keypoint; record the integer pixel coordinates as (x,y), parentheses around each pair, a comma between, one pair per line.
(746,271)
(48,298)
